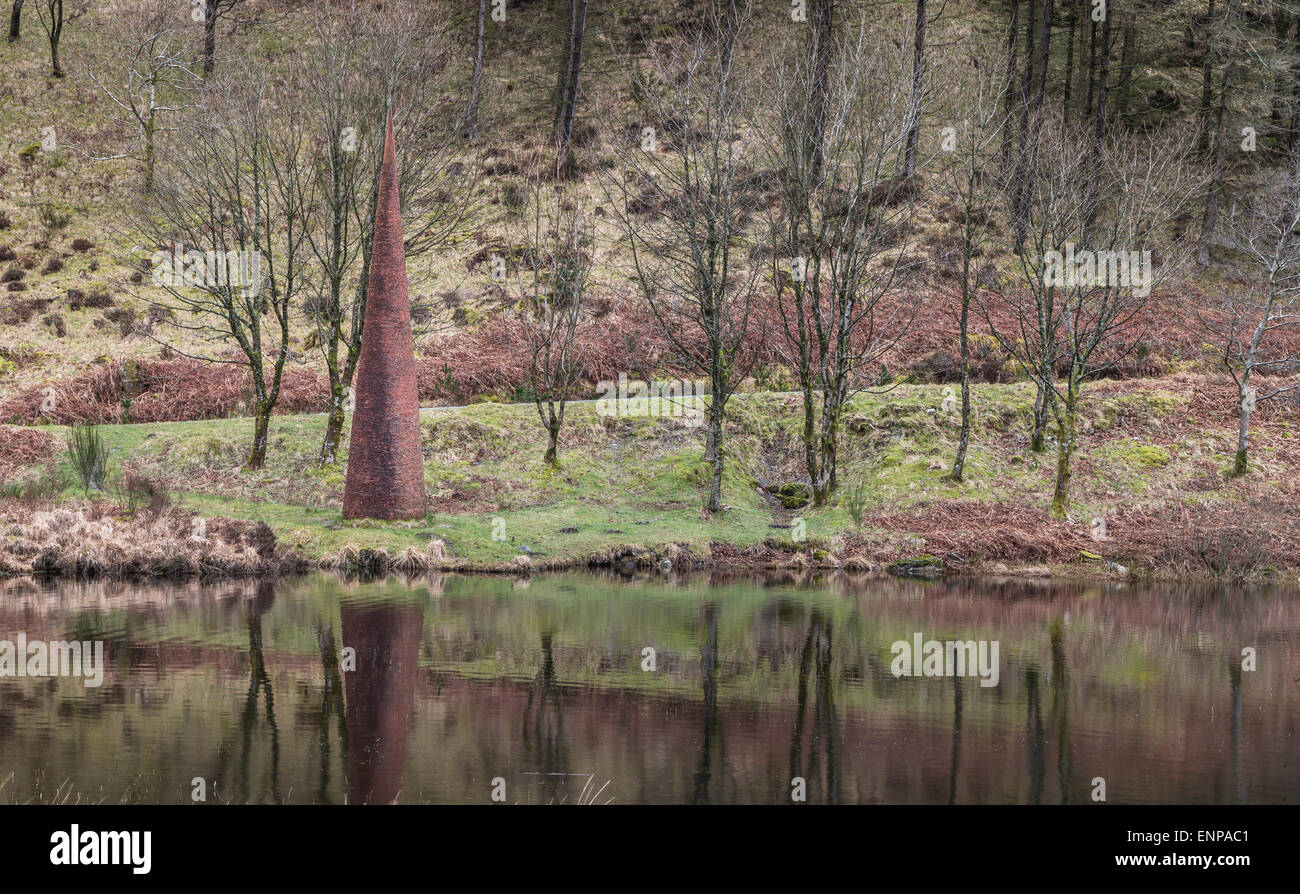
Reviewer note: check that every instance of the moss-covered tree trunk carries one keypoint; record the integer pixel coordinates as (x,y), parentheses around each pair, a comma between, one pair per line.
(552,415)
(261,432)
(552,457)
(810,434)
(329,448)
(1065,421)
(1042,409)
(1247,405)
(713,447)
(963,440)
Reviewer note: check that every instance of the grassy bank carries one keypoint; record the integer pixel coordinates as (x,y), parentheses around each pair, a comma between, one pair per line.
(1150,494)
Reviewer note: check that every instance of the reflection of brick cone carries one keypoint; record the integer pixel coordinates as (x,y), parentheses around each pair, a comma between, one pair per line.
(379,695)
(385,476)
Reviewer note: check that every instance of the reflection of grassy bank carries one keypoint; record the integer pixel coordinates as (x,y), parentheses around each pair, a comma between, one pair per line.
(629,489)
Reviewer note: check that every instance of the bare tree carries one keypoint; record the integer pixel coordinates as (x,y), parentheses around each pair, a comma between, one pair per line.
(363,62)
(692,209)
(229,211)
(148,79)
(971,184)
(211,11)
(1248,327)
(50,13)
(553,284)
(843,229)
(1079,284)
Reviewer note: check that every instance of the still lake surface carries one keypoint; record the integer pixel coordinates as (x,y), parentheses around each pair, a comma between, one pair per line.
(539,691)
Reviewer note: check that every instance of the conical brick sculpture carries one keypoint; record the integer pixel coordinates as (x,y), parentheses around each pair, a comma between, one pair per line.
(385,476)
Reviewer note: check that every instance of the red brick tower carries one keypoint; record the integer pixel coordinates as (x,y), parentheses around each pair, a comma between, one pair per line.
(385,477)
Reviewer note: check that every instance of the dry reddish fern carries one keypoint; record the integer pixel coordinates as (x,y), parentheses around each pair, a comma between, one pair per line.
(22,447)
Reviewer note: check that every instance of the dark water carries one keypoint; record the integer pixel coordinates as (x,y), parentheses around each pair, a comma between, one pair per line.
(539,685)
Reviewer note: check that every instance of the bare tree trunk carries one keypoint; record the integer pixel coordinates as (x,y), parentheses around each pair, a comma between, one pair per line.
(570,68)
(713,446)
(1031,117)
(56,67)
(1099,130)
(53,31)
(560,95)
(1022,143)
(1092,67)
(470,127)
(15,19)
(1207,83)
(1064,451)
(209,37)
(918,83)
(1239,463)
(1210,221)
(1126,69)
(963,441)
(959,466)
(1069,58)
(329,450)
(1013,29)
(261,430)
(1293,127)
(150,162)
(1042,408)
(1281,27)
(1103,77)
(552,447)
(821,36)
(832,409)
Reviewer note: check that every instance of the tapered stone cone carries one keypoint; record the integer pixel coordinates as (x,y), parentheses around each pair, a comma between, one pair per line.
(385,477)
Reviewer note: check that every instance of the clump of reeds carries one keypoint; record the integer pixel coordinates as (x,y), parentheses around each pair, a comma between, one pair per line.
(88,457)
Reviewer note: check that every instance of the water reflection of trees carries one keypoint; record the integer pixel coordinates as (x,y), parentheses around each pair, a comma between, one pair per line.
(259,692)
(787,706)
(955,763)
(1034,734)
(331,709)
(1061,710)
(819,765)
(543,724)
(710,751)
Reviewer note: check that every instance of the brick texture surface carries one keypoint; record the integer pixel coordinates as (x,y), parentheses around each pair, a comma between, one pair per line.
(385,476)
